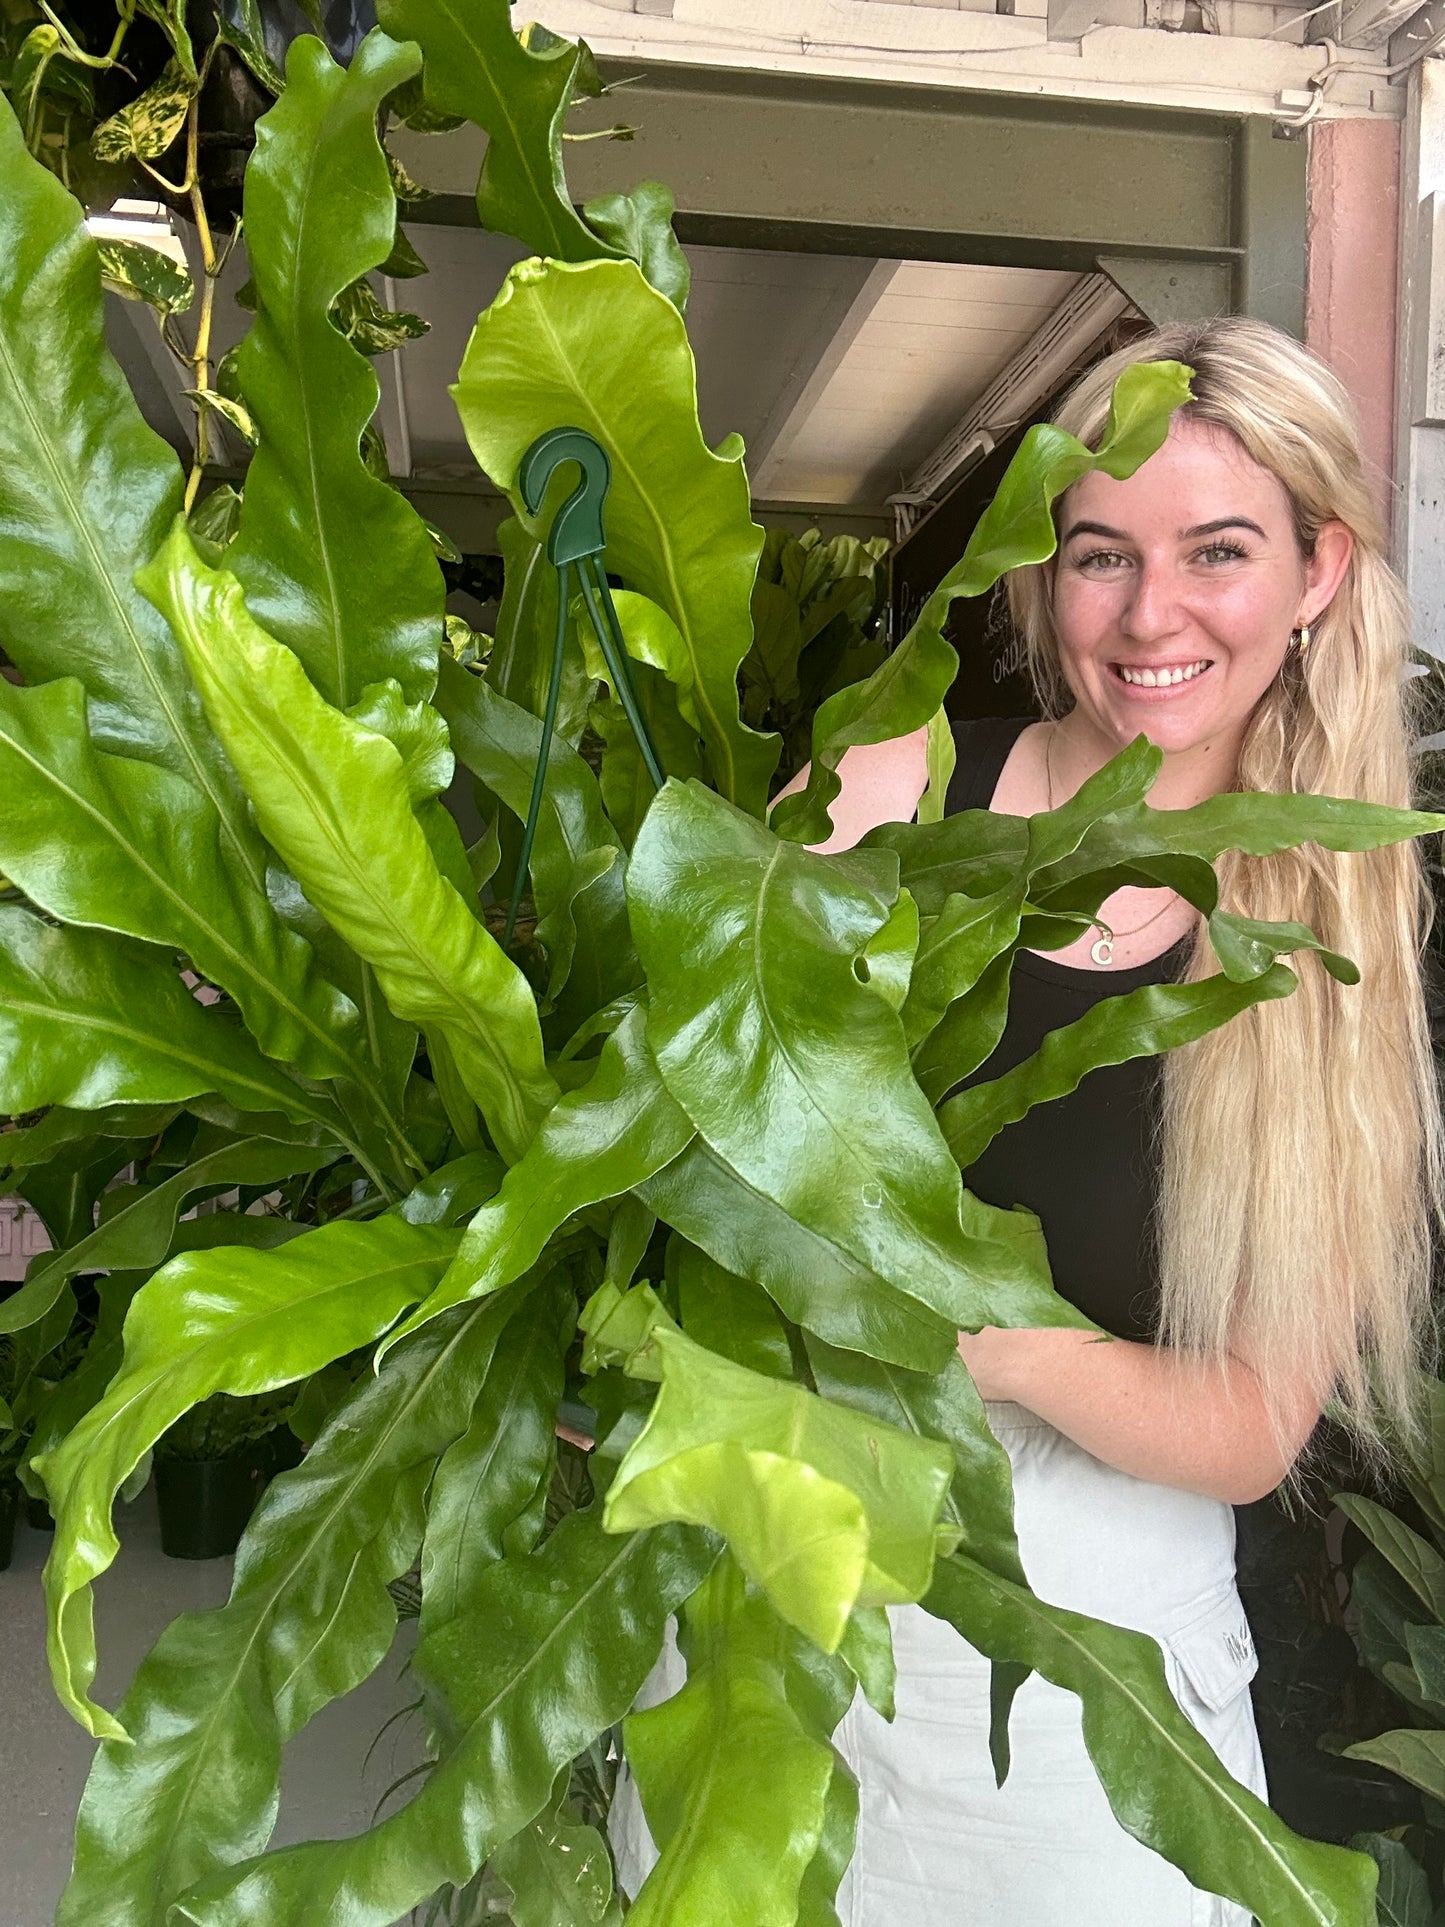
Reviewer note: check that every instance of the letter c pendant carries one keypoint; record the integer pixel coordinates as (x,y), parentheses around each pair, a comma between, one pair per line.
(1103,952)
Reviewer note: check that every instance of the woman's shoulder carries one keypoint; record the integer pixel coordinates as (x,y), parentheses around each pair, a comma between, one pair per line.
(981,748)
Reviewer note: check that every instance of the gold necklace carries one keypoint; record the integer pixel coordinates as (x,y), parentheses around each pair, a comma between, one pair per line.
(1102,950)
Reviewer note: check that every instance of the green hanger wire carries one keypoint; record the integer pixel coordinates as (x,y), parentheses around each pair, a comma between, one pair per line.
(574,547)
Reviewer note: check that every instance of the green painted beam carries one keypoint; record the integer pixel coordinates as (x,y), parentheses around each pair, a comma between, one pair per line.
(1191,213)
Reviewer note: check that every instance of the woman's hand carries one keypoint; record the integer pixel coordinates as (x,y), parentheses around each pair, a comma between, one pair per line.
(988,1355)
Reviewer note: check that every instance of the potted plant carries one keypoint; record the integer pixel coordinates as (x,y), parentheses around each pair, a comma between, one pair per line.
(209,1470)
(615,1185)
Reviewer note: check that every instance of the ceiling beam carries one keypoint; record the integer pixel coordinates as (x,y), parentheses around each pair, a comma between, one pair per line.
(835,335)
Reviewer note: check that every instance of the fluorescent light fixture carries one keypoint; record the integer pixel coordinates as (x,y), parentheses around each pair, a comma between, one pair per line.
(148,222)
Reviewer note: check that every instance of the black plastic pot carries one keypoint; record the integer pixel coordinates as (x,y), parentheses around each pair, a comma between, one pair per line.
(205,1504)
(38,1515)
(9,1506)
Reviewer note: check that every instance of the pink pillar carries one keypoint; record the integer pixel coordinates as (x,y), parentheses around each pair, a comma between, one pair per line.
(1354,193)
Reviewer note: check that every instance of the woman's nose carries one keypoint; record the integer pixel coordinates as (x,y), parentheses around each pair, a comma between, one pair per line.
(1154,608)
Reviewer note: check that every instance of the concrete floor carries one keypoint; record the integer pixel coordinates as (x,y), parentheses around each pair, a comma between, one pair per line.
(44,1756)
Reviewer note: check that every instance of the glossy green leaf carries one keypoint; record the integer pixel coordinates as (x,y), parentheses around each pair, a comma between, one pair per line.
(729,1315)
(1145,1022)
(1259,825)
(73,445)
(309,1618)
(551,1654)
(89,1019)
(145,127)
(140,1225)
(488,1476)
(332,798)
(125,846)
(559,1872)
(72,448)
(478,68)
(596,1142)
(137,272)
(733,1780)
(752,948)
(334,563)
(943,1405)
(908,687)
(455,1191)
(639,225)
(233,1321)
(1162,1779)
(814,1277)
(824,1509)
(559,348)
(578,889)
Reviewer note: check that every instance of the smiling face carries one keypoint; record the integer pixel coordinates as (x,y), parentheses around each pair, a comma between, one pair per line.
(1175,593)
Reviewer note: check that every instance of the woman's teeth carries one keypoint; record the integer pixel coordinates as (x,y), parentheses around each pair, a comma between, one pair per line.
(1162,678)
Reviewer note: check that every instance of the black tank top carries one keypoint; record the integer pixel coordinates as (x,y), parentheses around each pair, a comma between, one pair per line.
(1088,1163)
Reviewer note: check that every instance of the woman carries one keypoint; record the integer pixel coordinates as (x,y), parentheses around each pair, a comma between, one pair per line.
(1252,1221)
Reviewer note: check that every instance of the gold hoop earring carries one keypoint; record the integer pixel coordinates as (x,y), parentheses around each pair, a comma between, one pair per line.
(1300,640)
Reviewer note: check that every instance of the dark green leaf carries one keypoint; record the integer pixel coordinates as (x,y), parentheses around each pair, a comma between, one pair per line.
(89,1019)
(73,445)
(1163,1781)
(751,947)
(126,846)
(140,1225)
(309,1618)
(478,68)
(1404,1896)
(559,1872)
(231,1321)
(595,1143)
(639,225)
(519,664)
(551,1654)
(1417,1754)
(333,562)
(578,890)
(487,1478)
(1143,1023)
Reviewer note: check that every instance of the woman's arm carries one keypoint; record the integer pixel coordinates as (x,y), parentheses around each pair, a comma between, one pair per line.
(882,783)
(1146,1410)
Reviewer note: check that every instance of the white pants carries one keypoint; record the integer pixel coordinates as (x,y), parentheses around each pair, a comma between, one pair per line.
(939,1845)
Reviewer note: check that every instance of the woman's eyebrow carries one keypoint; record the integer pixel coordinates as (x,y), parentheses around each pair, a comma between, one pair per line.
(1185,535)
(1218,528)
(1095,528)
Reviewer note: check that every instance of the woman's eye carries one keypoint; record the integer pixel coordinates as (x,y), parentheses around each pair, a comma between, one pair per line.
(1218,552)
(1101,561)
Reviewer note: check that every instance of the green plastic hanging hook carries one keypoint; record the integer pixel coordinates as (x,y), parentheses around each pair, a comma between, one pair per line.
(576,543)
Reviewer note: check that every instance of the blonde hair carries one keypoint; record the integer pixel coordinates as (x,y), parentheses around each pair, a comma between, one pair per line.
(1300,1144)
